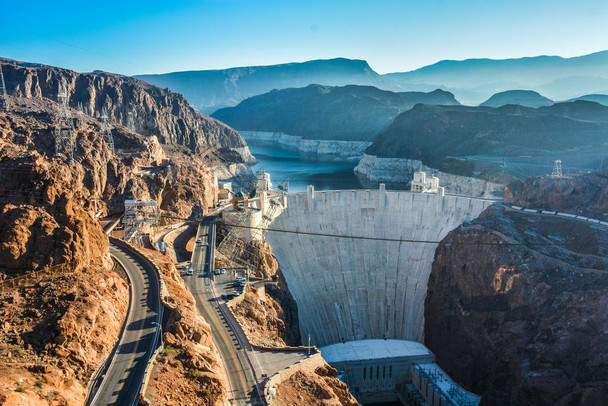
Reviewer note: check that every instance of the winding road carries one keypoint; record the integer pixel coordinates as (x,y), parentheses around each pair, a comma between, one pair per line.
(121,382)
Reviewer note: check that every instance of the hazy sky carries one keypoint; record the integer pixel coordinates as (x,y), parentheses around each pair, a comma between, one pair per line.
(393,35)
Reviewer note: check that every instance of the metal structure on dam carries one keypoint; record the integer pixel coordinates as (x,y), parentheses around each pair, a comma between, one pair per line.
(355,289)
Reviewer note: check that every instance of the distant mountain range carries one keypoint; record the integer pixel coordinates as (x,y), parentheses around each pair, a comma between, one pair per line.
(210,90)
(527,98)
(472,81)
(353,113)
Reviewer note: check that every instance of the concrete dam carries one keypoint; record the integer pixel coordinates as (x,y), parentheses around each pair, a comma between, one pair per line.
(356,289)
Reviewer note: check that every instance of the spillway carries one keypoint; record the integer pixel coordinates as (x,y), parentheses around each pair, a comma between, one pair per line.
(355,289)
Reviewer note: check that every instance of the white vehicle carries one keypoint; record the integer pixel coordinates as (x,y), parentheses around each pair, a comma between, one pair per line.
(199,239)
(190,271)
(241,278)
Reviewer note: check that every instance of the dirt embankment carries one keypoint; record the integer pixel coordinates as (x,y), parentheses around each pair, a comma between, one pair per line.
(270,319)
(524,323)
(188,370)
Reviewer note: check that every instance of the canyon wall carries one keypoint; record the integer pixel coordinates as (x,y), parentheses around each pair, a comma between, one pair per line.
(352,289)
(517,309)
(326,149)
(401,170)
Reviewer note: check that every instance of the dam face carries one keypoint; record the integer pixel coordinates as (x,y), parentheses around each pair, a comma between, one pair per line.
(354,289)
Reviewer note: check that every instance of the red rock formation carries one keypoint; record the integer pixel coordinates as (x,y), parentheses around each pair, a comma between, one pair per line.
(517,309)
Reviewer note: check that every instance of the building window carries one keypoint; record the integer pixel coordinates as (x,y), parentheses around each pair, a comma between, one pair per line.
(364,377)
(390,371)
(384,372)
(378,372)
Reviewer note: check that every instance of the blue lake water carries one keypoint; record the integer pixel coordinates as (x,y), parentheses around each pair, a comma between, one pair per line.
(303,171)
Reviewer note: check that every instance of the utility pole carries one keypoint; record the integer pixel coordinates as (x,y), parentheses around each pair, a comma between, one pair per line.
(557,169)
(3,96)
(106,131)
(65,135)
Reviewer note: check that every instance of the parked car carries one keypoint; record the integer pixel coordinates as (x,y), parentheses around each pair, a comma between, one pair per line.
(217,271)
(224,297)
(190,271)
(199,239)
(222,271)
(241,278)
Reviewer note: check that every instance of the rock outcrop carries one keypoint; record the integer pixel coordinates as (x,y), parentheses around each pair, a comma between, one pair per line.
(517,309)
(319,386)
(583,193)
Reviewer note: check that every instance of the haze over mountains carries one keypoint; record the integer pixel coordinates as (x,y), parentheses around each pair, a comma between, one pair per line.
(472,81)
(353,113)
(209,90)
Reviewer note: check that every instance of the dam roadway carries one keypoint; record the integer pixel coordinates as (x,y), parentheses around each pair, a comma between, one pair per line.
(243,389)
(121,382)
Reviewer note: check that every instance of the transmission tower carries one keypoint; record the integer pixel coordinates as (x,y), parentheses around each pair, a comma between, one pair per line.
(65,135)
(3,97)
(130,121)
(106,131)
(557,169)
(79,115)
(138,213)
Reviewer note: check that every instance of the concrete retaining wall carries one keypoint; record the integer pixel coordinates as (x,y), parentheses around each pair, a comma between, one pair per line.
(353,289)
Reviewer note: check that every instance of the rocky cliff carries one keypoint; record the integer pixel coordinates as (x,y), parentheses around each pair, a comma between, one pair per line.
(349,113)
(516,309)
(154,111)
(583,193)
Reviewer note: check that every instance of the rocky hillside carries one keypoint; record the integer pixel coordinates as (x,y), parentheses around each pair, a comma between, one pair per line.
(155,111)
(210,90)
(436,134)
(56,332)
(516,309)
(349,113)
(583,193)
(527,98)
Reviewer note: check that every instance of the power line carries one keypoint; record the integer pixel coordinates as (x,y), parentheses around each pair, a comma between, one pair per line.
(367,238)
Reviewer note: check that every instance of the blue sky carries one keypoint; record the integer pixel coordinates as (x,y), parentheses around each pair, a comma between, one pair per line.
(161,36)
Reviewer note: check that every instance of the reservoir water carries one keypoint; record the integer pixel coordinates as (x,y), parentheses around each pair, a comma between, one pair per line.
(323,174)
(286,163)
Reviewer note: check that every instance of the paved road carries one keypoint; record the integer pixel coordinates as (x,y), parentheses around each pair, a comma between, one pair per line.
(242,382)
(122,381)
